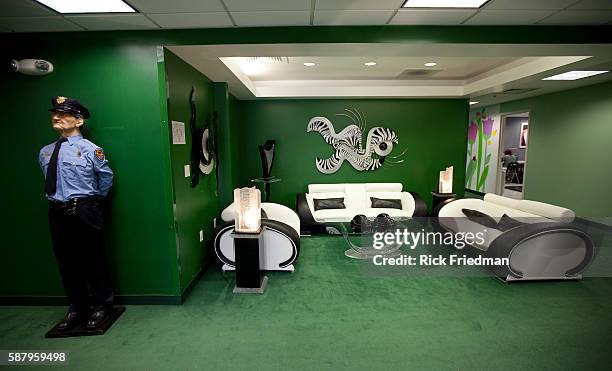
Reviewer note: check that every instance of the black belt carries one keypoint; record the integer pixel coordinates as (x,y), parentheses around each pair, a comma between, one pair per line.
(72,203)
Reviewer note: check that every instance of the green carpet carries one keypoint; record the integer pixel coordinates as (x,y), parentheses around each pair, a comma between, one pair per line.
(329,315)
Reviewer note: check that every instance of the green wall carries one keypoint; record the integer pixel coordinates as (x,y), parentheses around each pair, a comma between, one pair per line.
(569,152)
(117,75)
(119,84)
(194,207)
(433,133)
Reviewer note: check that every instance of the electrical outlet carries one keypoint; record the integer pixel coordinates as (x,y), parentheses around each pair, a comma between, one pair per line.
(187,171)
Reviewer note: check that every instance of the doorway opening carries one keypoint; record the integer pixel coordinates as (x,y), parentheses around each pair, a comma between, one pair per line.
(513,155)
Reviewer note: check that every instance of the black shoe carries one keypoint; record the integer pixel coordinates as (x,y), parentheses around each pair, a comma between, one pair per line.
(99,316)
(70,321)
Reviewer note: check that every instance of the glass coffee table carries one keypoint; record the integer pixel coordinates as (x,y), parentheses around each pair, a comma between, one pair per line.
(362,243)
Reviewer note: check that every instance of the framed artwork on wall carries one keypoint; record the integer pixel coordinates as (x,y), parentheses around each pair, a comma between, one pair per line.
(524,134)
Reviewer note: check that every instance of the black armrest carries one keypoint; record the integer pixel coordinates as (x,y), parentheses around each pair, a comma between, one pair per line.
(269,224)
(308,225)
(420,207)
(503,245)
(436,210)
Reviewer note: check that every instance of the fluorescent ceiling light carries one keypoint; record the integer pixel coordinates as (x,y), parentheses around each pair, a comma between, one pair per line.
(370,63)
(575,75)
(473,102)
(431,64)
(88,6)
(444,3)
(309,64)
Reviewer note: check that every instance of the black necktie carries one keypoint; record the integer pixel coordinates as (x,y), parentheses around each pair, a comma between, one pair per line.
(51,179)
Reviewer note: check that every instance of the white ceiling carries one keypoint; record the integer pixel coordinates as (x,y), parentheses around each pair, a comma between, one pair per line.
(488,73)
(29,16)
(387,67)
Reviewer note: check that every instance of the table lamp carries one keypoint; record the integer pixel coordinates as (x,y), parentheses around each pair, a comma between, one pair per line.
(247,203)
(445,184)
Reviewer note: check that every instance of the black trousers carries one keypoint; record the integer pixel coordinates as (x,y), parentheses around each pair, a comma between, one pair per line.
(78,244)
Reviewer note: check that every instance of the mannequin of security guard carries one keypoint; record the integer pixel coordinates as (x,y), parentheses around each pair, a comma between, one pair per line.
(77,178)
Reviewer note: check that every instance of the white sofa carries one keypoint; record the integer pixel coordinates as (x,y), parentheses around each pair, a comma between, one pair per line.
(546,246)
(281,238)
(357,200)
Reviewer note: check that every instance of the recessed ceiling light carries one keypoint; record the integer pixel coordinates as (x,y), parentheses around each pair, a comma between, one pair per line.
(444,3)
(431,64)
(370,63)
(473,102)
(310,64)
(88,6)
(574,75)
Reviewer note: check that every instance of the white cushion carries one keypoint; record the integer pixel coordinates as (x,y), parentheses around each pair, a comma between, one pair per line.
(357,200)
(325,188)
(383,187)
(501,200)
(495,211)
(228,215)
(453,219)
(557,213)
(282,214)
(465,225)
(393,213)
(355,196)
(335,215)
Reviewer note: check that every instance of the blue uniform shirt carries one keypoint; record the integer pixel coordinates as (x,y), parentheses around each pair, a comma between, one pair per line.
(82,169)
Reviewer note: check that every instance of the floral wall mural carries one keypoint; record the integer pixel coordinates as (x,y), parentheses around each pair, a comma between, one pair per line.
(483,149)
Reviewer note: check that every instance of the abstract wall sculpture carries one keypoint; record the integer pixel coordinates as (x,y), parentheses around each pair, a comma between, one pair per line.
(348,143)
(208,146)
(195,157)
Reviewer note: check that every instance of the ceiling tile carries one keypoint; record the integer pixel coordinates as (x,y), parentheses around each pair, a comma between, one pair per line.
(431,17)
(23,8)
(38,24)
(508,17)
(352,17)
(295,18)
(528,4)
(593,5)
(192,20)
(578,17)
(177,6)
(267,5)
(113,22)
(358,4)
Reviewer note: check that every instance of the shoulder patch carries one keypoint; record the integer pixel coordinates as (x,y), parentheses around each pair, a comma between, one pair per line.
(99,154)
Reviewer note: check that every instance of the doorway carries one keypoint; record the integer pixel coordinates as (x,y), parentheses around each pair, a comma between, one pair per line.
(513,155)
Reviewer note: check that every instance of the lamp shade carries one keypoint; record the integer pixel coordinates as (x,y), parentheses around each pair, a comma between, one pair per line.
(446,181)
(247,205)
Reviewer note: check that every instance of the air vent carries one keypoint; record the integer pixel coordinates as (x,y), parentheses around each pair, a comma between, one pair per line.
(267,59)
(411,73)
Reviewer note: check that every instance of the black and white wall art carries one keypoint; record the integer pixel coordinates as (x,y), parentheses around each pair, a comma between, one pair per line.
(348,143)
